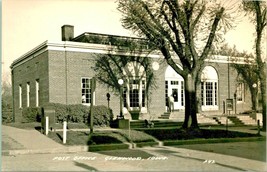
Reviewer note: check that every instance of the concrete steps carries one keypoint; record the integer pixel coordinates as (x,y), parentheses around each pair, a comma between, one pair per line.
(204,120)
(166,115)
(247,120)
(221,120)
(236,121)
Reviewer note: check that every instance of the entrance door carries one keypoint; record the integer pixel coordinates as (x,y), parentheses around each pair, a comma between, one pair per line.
(174,85)
(175,90)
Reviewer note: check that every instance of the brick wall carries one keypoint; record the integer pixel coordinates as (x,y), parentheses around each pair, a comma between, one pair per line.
(29,72)
(59,74)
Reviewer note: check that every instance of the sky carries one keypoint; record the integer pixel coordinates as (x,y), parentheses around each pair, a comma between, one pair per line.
(28,23)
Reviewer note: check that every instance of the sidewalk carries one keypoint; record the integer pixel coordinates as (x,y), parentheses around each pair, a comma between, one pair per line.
(20,141)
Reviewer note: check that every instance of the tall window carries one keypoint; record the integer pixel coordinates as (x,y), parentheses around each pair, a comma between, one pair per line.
(182,93)
(134,93)
(86,91)
(37,92)
(240,92)
(28,94)
(20,96)
(166,93)
(209,89)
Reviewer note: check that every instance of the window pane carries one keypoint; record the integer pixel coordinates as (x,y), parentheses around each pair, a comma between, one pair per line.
(209,95)
(86,90)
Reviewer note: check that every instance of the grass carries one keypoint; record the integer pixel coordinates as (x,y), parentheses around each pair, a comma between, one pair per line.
(101,137)
(36,125)
(73,137)
(145,136)
(181,134)
(27,126)
(136,136)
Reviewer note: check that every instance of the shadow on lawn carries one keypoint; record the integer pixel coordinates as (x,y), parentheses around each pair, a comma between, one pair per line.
(181,134)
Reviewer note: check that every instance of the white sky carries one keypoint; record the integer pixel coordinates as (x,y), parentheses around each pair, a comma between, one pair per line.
(28,23)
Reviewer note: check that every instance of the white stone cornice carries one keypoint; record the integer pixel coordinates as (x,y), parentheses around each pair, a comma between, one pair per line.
(71,46)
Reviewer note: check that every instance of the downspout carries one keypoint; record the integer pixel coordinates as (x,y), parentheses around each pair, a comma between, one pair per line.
(13,94)
(66,73)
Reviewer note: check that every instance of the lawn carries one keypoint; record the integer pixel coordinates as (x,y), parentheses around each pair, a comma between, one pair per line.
(140,136)
(101,137)
(165,134)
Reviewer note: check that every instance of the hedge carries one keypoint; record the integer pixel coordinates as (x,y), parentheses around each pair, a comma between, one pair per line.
(75,113)
(78,113)
(31,114)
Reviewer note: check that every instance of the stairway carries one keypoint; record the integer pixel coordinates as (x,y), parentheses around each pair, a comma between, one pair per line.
(247,120)
(236,121)
(218,121)
(166,115)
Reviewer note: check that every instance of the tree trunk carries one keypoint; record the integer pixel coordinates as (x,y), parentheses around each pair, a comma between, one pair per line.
(263,98)
(254,97)
(190,102)
(261,64)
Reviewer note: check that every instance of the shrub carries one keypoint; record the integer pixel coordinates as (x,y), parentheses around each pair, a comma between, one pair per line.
(31,114)
(102,115)
(7,115)
(77,113)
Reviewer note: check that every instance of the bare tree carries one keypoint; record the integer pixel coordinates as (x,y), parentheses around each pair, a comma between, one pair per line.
(184,29)
(246,67)
(133,66)
(258,11)
(7,103)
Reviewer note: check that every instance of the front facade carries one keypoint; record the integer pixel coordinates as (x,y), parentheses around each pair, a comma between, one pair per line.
(60,72)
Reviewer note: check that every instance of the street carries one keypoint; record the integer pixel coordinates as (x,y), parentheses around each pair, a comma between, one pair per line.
(145,159)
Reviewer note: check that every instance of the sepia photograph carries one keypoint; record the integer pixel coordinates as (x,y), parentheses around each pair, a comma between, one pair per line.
(133,85)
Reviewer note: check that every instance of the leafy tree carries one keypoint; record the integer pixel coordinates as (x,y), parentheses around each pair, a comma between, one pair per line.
(257,10)
(184,29)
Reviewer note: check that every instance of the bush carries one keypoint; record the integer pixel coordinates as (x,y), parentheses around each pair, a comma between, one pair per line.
(102,115)
(7,115)
(31,114)
(78,113)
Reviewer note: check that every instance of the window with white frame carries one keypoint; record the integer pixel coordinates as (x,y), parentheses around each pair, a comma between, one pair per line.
(209,89)
(28,94)
(20,96)
(134,89)
(86,91)
(182,93)
(240,92)
(37,92)
(135,94)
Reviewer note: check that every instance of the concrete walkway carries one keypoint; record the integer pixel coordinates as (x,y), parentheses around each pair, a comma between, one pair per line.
(20,141)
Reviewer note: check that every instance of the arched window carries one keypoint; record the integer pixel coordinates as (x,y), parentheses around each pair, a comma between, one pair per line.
(209,89)
(134,90)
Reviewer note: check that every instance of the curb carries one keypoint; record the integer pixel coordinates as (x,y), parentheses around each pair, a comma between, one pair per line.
(103,147)
(215,140)
(70,149)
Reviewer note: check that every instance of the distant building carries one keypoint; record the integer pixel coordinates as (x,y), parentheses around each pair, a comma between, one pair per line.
(60,72)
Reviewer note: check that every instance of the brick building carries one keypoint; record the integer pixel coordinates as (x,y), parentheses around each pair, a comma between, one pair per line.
(60,72)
